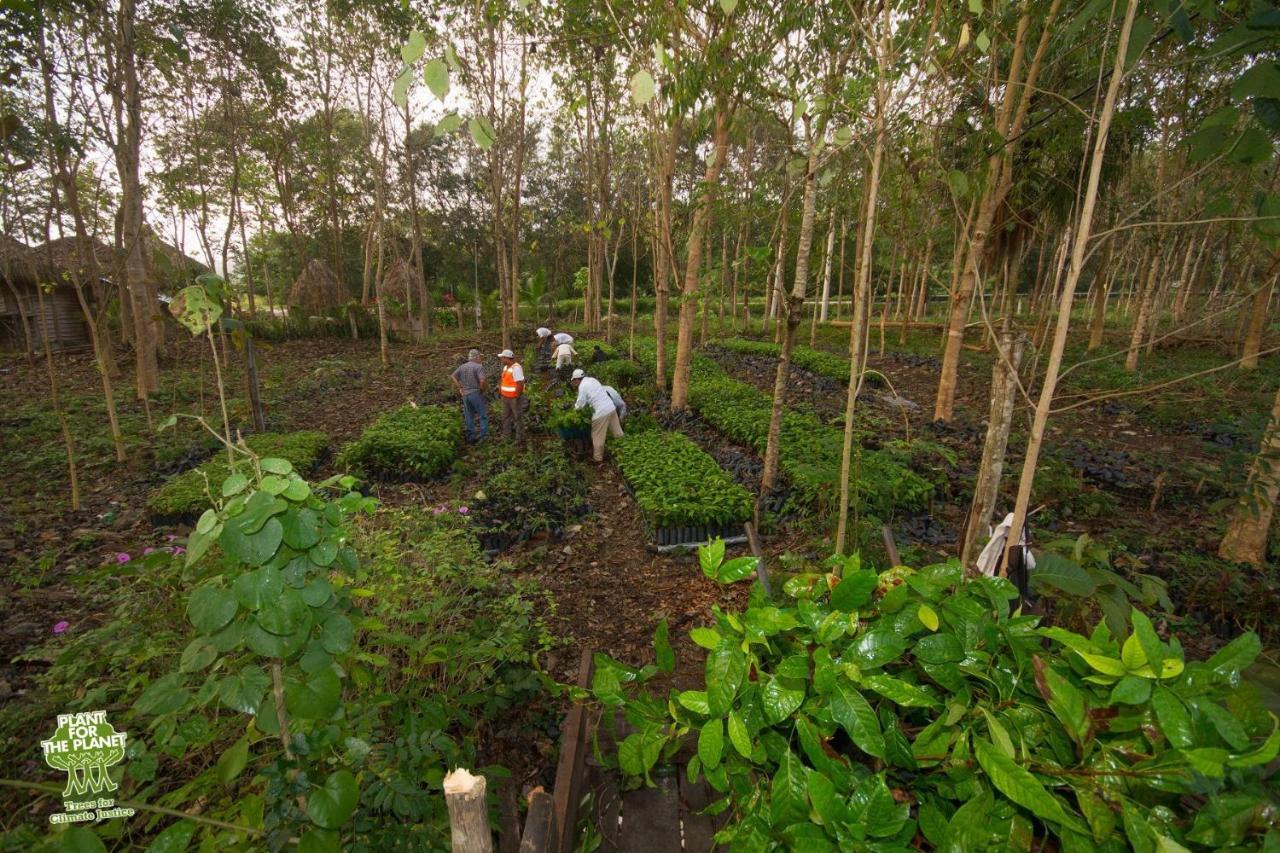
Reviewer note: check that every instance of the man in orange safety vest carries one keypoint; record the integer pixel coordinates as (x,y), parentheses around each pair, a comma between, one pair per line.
(511,390)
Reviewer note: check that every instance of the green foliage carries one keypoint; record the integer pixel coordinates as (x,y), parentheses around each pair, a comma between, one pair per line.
(566,417)
(1077,575)
(530,493)
(815,361)
(866,710)
(676,484)
(185,495)
(618,372)
(810,451)
(410,442)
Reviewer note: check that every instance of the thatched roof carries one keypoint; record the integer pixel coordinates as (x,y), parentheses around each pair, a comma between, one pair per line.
(60,259)
(400,282)
(317,289)
(66,255)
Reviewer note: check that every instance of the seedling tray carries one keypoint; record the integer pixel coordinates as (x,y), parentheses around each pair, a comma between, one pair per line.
(674,538)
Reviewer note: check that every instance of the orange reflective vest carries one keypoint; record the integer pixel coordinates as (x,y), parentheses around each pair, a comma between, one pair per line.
(508,386)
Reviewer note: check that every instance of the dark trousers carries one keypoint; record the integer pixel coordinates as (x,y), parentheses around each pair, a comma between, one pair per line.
(513,409)
(475,415)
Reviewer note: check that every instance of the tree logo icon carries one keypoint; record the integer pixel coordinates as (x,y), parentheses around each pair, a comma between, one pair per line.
(84,746)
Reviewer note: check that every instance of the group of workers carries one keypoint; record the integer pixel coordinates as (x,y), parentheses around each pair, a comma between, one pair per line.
(608,409)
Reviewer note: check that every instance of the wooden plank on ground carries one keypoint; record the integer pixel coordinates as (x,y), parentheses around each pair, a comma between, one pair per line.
(699,830)
(651,816)
(569,770)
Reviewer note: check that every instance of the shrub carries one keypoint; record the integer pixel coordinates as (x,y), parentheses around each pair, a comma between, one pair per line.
(676,484)
(912,710)
(184,496)
(618,372)
(569,418)
(407,443)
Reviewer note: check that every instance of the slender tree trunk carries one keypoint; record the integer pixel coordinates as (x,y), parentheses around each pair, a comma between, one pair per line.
(1004,392)
(1144,313)
(1257,322)
(693,261)
(127,98)
(794,309)
(826,265)
(859,290)
(1246,537)
(664,261)
(1081,241)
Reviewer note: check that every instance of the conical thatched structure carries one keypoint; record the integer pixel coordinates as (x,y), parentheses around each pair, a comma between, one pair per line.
(400,283)
(317,290)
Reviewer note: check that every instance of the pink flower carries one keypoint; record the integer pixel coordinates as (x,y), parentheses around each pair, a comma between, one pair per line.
(123,557)
(170,537)
(178,549)
(148,551)
(438,509)
(462,510)
(59,627)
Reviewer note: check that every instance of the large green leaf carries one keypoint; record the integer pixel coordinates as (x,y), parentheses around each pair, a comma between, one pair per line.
(482,132)
(1236,655)
(257,587)
(211,608)
(253,549)
(1262,80)
(1055,572)
(315,697)
(726,668)
(1067,702)
(176,838)
(80,839)
(331,805)
(231,762)
(711,743)
(243,691)
(901,692)
(779,700)
(1226,819)
(826,801)
(738,735)
(664,654)
(789,792)
(854,591)
(166,694)
(1019,785)
(642,87)
(855,715)
(1172,715)
(436,75)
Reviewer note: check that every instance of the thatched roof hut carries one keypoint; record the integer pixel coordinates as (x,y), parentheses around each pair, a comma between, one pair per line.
(28,316)
(400,282)
(317,290)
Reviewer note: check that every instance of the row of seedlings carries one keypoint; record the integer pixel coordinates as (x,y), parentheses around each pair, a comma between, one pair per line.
(810,452)
(411,443)
(684,496)
(184,496)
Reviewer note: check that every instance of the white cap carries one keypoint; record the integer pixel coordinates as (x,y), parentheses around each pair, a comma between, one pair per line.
(506,353)
(563,338)
(578,374)
(543,331)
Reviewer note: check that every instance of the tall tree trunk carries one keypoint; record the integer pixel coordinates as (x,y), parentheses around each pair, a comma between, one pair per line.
(68,443)
(693,258)
(1008,126)
(1081,241)
(127,97)
(1246,537)
(1257,322)
(665,139)
(1144,313)
(1004,392)
(826,266)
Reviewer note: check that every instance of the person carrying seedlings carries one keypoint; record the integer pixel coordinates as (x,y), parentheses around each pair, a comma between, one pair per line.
(511,389)
(542,353)
(604,414)
(471,383)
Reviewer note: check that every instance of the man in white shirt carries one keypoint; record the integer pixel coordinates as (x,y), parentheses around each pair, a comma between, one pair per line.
(604,414)
(564,354)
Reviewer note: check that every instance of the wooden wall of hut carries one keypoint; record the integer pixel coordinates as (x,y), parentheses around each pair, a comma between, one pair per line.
(62,321)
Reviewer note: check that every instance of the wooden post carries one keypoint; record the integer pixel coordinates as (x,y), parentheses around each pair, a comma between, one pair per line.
(539,824)
(569,769)
(890,546)
(468,815)
(251,376)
